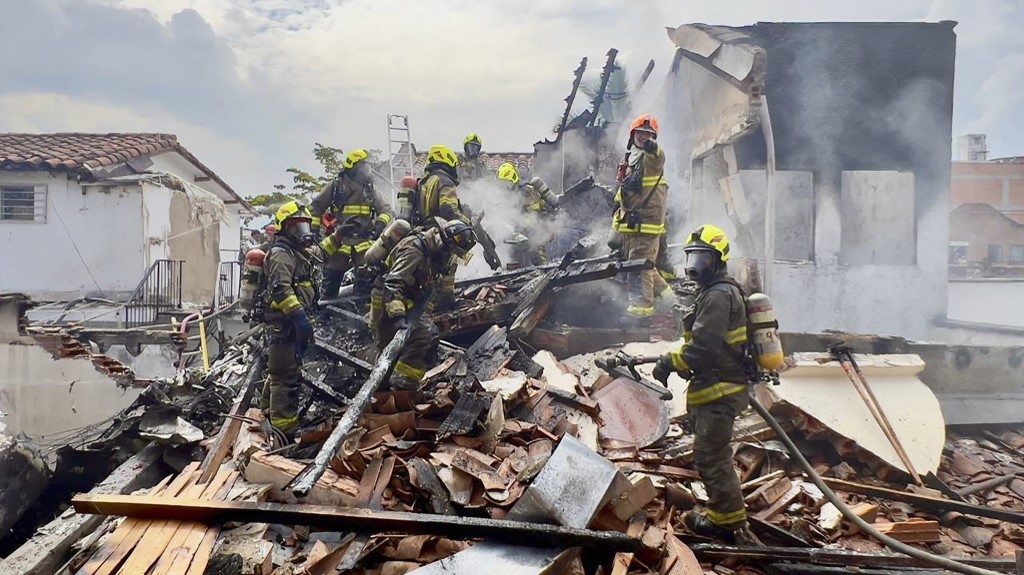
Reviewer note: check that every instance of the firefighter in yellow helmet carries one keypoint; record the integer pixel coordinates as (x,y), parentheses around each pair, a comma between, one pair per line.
(712,358)
(438,198)
(362,214)
(420,260)
(639,219)
(471,166)
(292,274)
(538,205)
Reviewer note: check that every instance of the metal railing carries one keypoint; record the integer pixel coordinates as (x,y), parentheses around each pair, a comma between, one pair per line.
(228,284)
(159,291)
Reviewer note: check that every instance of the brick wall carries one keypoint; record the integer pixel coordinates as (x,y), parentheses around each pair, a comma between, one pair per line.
(980,225)
(999,185)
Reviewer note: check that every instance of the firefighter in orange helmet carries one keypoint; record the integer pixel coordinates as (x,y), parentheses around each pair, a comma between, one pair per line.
(639,220)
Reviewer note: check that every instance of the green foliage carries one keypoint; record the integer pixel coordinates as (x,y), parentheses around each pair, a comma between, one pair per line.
(304,184)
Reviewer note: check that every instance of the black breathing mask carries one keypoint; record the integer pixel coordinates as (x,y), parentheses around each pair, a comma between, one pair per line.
(701,265)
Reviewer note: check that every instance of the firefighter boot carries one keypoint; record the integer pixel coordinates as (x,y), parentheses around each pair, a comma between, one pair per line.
(701,525)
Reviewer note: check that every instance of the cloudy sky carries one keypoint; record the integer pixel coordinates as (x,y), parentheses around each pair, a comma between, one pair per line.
(250,85)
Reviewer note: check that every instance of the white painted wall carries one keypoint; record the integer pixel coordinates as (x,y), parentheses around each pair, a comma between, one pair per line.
(992,301)
(43,396)
(106,227)
(230,231)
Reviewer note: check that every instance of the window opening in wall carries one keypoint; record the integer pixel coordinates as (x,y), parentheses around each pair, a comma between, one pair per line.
(958,254)
(1017,254)
(23,204)
(995,254)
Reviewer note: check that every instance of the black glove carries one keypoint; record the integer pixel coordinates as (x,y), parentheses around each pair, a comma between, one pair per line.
(378,227)
(401,323)
(662,369)
(650,146)
(303,332)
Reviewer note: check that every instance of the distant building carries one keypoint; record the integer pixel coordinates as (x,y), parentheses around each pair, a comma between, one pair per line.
(971,148)
(998,183)
(984,242)
(89,214)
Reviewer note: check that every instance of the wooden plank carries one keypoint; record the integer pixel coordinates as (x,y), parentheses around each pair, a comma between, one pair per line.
(933,504)
(350,519)
(780,504)
(109,556)
(49,548)
(194,545)
(622,561)
(231,426)
(203,552)
(160,533)
(176,547)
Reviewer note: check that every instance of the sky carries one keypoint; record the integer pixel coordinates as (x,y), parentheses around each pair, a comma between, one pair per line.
(250,85)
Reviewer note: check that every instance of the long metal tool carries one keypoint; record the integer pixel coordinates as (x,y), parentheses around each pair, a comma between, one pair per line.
(614,365)
(304,481)
(844,356)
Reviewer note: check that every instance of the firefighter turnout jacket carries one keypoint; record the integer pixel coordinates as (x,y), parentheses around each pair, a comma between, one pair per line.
(643,196)
(438,198)
(714,335)
(292,278)
(352,203)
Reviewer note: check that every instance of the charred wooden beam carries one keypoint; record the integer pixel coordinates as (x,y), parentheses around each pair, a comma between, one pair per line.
(342,355)
(819,556)
(305,480)
(232,425)
(924,502)
(350,519)
(358,318)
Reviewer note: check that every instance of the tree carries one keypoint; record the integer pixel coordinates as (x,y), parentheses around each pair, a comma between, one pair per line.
(304,184)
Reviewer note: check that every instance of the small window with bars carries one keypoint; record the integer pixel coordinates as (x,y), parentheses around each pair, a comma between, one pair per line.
(23,204)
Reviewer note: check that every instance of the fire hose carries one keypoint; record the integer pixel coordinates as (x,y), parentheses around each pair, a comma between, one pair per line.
(869,529)
(893,544)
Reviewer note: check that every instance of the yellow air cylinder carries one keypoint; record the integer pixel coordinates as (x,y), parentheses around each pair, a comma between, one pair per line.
(764,332)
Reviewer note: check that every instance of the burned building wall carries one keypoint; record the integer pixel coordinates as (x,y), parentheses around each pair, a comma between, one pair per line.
(861,115)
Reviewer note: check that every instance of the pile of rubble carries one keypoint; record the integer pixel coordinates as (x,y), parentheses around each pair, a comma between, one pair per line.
(545,469)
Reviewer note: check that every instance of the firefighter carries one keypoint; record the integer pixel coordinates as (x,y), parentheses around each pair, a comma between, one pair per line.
(291,270)
(471,167)
(538,205)
(362,215)
(437,198)
(417,262)
(639,218)
(712,358)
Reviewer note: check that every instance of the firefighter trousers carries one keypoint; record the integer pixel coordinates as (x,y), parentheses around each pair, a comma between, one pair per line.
(335,268)
(420,352)
(712,452)
(643,286)
(281,390)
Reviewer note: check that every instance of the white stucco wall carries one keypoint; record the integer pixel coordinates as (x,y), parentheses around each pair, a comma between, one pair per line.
(992,301)
(230,231)
(87,230)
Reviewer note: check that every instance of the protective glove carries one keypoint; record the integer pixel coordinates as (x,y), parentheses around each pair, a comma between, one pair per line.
(303,332)
(662,369)
(378,227)
(650,146)
(401,322)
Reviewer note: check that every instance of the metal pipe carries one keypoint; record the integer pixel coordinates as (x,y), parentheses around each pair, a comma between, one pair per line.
(769,208)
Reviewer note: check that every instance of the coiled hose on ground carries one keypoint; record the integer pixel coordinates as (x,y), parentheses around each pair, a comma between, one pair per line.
(893,544)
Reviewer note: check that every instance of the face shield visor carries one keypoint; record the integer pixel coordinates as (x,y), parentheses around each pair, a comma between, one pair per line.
(472,149)
(300,230)
(700,264)
(362,172)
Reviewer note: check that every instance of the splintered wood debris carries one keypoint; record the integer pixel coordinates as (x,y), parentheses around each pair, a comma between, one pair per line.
(495,467)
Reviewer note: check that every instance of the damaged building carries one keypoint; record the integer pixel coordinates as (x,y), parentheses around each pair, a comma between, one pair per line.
(857,159)
(538,442)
